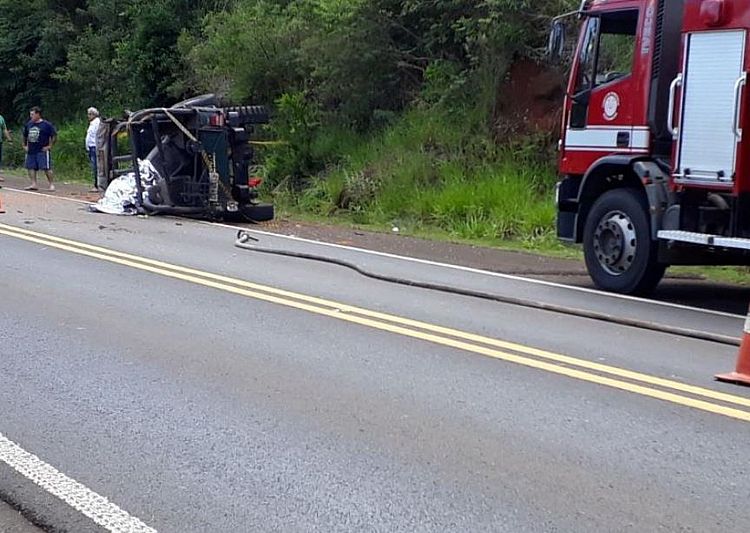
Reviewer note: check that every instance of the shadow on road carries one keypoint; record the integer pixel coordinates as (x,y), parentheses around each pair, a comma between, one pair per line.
(705,295)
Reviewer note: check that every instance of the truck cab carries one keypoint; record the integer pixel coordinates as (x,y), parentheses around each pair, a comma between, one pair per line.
(653,162)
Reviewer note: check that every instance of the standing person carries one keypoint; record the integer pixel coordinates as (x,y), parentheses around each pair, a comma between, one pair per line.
(102,152)
(94,122)
(39,137)
(4,135)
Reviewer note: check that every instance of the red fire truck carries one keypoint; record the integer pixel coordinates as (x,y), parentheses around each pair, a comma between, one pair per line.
(655,169)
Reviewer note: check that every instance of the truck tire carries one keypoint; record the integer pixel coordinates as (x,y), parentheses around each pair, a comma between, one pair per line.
(250,114)
(619,252)
(204,100)
(257,212)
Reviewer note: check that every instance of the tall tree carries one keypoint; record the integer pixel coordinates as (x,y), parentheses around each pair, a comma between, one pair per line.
(34,37)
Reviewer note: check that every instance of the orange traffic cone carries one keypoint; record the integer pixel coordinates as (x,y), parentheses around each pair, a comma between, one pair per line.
(741,376)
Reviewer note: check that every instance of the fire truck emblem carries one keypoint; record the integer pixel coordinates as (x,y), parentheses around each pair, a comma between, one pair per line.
(611,106)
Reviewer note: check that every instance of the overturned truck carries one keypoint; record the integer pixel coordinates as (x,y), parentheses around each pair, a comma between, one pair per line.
(203,156)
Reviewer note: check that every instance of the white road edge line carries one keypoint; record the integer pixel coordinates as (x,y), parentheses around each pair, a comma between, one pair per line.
(96,507)
(36,193)
(484,272)
(445,265)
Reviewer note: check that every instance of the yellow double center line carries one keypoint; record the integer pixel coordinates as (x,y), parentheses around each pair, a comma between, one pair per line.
(581,369)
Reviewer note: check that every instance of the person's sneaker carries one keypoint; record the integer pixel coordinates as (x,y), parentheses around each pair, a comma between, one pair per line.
(94,189)
(51,188)
(30,188)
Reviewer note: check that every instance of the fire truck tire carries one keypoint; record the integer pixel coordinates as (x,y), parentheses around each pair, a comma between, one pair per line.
(619,252)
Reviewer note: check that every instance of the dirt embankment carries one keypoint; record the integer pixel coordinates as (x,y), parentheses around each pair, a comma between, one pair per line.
(529,101)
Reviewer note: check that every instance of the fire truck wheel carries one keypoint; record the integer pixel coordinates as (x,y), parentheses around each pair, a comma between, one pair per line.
(620,254)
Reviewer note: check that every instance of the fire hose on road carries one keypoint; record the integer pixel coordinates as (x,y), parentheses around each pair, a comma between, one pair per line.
(246,241)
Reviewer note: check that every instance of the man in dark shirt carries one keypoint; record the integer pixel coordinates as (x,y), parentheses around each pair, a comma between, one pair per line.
(38,138)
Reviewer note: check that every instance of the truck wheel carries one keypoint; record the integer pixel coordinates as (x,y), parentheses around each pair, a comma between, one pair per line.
(250,114)
(620,254)
(257,212)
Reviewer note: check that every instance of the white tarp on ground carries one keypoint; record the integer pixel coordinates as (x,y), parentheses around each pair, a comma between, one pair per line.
(119,198)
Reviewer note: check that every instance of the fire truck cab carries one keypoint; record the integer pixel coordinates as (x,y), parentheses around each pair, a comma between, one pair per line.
(654,165)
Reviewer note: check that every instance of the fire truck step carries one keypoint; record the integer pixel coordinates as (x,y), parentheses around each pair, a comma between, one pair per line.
(705,239)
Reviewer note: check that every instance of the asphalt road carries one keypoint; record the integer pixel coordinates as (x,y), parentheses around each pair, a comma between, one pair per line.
(192,386)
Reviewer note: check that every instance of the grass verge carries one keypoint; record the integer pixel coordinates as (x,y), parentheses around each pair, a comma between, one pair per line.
(435,176)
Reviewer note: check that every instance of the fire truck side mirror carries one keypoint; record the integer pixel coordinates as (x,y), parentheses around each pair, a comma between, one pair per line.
(556,42)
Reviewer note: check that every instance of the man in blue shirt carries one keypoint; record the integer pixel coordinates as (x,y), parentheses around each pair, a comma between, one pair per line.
(38,138)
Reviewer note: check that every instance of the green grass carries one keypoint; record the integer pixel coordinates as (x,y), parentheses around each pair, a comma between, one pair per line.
(737,275)
(548,246)
(434,174)
(70,158)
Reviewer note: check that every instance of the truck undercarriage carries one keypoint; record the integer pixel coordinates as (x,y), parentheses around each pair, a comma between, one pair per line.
(203,155)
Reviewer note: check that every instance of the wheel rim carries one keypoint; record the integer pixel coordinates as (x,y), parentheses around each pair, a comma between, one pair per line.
(615,243)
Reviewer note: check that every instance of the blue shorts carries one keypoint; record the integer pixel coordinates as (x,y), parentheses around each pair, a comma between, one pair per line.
(39,161)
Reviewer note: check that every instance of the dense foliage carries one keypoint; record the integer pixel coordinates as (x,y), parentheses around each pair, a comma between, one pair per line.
(346,78)
(356,58)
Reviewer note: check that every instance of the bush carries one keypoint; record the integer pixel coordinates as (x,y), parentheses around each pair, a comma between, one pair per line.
(250,53)
(429,172)
(69,157)
(69,153)
(294,126)
(13,154)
